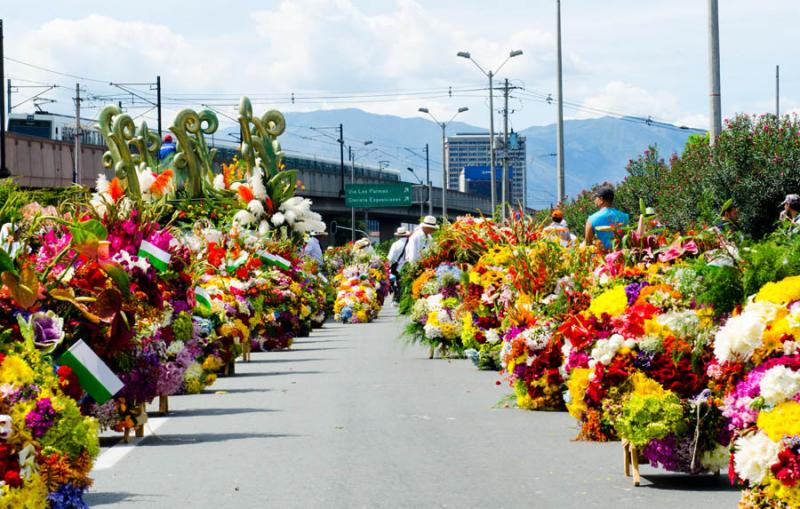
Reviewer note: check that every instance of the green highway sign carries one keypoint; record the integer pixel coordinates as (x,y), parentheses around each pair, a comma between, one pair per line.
(373,196)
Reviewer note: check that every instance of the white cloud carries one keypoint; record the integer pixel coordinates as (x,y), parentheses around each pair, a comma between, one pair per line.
(621,97)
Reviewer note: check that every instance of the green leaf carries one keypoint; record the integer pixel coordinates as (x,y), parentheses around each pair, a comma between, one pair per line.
(118,275)
(642,207)
(85,232)
(6,263)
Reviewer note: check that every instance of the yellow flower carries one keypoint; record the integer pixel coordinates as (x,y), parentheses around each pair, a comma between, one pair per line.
(614,302)
(782,292)
(15,370)
(31,495)
(644,386)
(783,420)
(577,385)
(776,490)
(474,278)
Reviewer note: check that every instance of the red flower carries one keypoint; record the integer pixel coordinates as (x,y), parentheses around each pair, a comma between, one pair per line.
(787,469)
(12,479)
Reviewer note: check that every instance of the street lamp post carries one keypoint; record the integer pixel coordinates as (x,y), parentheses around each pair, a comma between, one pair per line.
(352,181)
(491,74)
(443,125)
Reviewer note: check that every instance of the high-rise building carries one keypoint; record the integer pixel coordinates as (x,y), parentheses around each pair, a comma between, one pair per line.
(468,161)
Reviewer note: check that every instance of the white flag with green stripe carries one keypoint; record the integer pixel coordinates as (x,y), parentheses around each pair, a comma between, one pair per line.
(158,257)
(203,298)
(93,374)
(278,261)
(238,262)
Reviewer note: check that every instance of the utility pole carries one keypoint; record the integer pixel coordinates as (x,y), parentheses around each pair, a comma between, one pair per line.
(341,157)
(492,162)
(77,168)
(713,61)
(777,91)
(505,188)
(445,171)
(428,178)
(158,103)
(8,91)
(560,193)
(3,168)
(352,181)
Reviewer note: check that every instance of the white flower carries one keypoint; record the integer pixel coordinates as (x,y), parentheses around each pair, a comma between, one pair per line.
(175,347)
(779,384)
(256,182)
(255,208)
(263,227)
(212,235)
(753,456)
(243,218)
(716,459)
(766,311)
(291,216)
(219,182)
(536,337)
(605,349)
(102,184)
(492,337)
(278,219)
(739,337)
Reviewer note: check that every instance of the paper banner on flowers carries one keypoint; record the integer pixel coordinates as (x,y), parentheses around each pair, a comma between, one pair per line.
(278,261)
(238,262)
(158,257)
(203,298)
(93,374)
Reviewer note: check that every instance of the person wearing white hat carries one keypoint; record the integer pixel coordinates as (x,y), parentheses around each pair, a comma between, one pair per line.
(420,238)
(397,258)
(312,248)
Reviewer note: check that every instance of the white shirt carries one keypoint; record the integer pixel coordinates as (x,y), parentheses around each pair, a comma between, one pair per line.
(561,230)
(416,243)
(397,252)
(313,250)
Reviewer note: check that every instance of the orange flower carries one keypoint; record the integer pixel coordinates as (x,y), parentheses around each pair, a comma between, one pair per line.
(115,190)
(163,181)
(245,193)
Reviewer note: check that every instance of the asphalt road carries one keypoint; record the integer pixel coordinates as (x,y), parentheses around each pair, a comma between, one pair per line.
(353,418)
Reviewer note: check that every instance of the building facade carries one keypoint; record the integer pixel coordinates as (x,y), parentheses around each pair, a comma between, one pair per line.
(468,164)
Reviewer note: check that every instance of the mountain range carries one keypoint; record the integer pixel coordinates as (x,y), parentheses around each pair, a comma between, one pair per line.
(596,149)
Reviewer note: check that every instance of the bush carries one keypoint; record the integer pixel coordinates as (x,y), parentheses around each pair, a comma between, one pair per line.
(755,162)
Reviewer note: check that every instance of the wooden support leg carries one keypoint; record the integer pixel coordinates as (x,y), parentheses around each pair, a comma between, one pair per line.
(430,352)
(246,351)
(163,405)
(126,437)
(141,419)
(635,461)
(626,450)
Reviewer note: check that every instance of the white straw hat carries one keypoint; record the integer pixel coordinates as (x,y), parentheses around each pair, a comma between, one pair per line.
(429,221)
(402,232)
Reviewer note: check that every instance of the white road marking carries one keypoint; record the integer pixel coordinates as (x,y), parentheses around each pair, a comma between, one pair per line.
(115,453)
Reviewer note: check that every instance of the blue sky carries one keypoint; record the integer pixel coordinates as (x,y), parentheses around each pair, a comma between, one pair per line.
(633,57)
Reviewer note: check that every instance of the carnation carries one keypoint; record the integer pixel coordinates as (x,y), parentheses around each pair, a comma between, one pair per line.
(739,337)
(779,384)
(278,219)
(754,455)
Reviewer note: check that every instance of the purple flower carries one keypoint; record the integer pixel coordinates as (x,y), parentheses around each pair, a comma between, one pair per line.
(48,329)
(41,418)
(633,290)
(67,496)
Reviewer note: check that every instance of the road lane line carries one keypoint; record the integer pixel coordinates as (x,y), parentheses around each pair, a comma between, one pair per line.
(115,453)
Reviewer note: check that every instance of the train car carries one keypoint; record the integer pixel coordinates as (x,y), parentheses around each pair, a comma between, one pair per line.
(54,126)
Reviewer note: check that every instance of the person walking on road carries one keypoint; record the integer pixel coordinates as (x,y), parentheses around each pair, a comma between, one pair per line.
(397,258)
(312,248)
(420,239)
(603,223)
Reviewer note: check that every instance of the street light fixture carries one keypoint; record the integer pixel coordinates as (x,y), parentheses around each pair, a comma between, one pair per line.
(443,125)
(490,74)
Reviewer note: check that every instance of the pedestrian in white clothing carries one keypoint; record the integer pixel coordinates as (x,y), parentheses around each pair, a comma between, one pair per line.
(420,238)
(312,248)
(397,258)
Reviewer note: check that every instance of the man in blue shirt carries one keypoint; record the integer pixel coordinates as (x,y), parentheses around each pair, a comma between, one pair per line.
(603,223)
